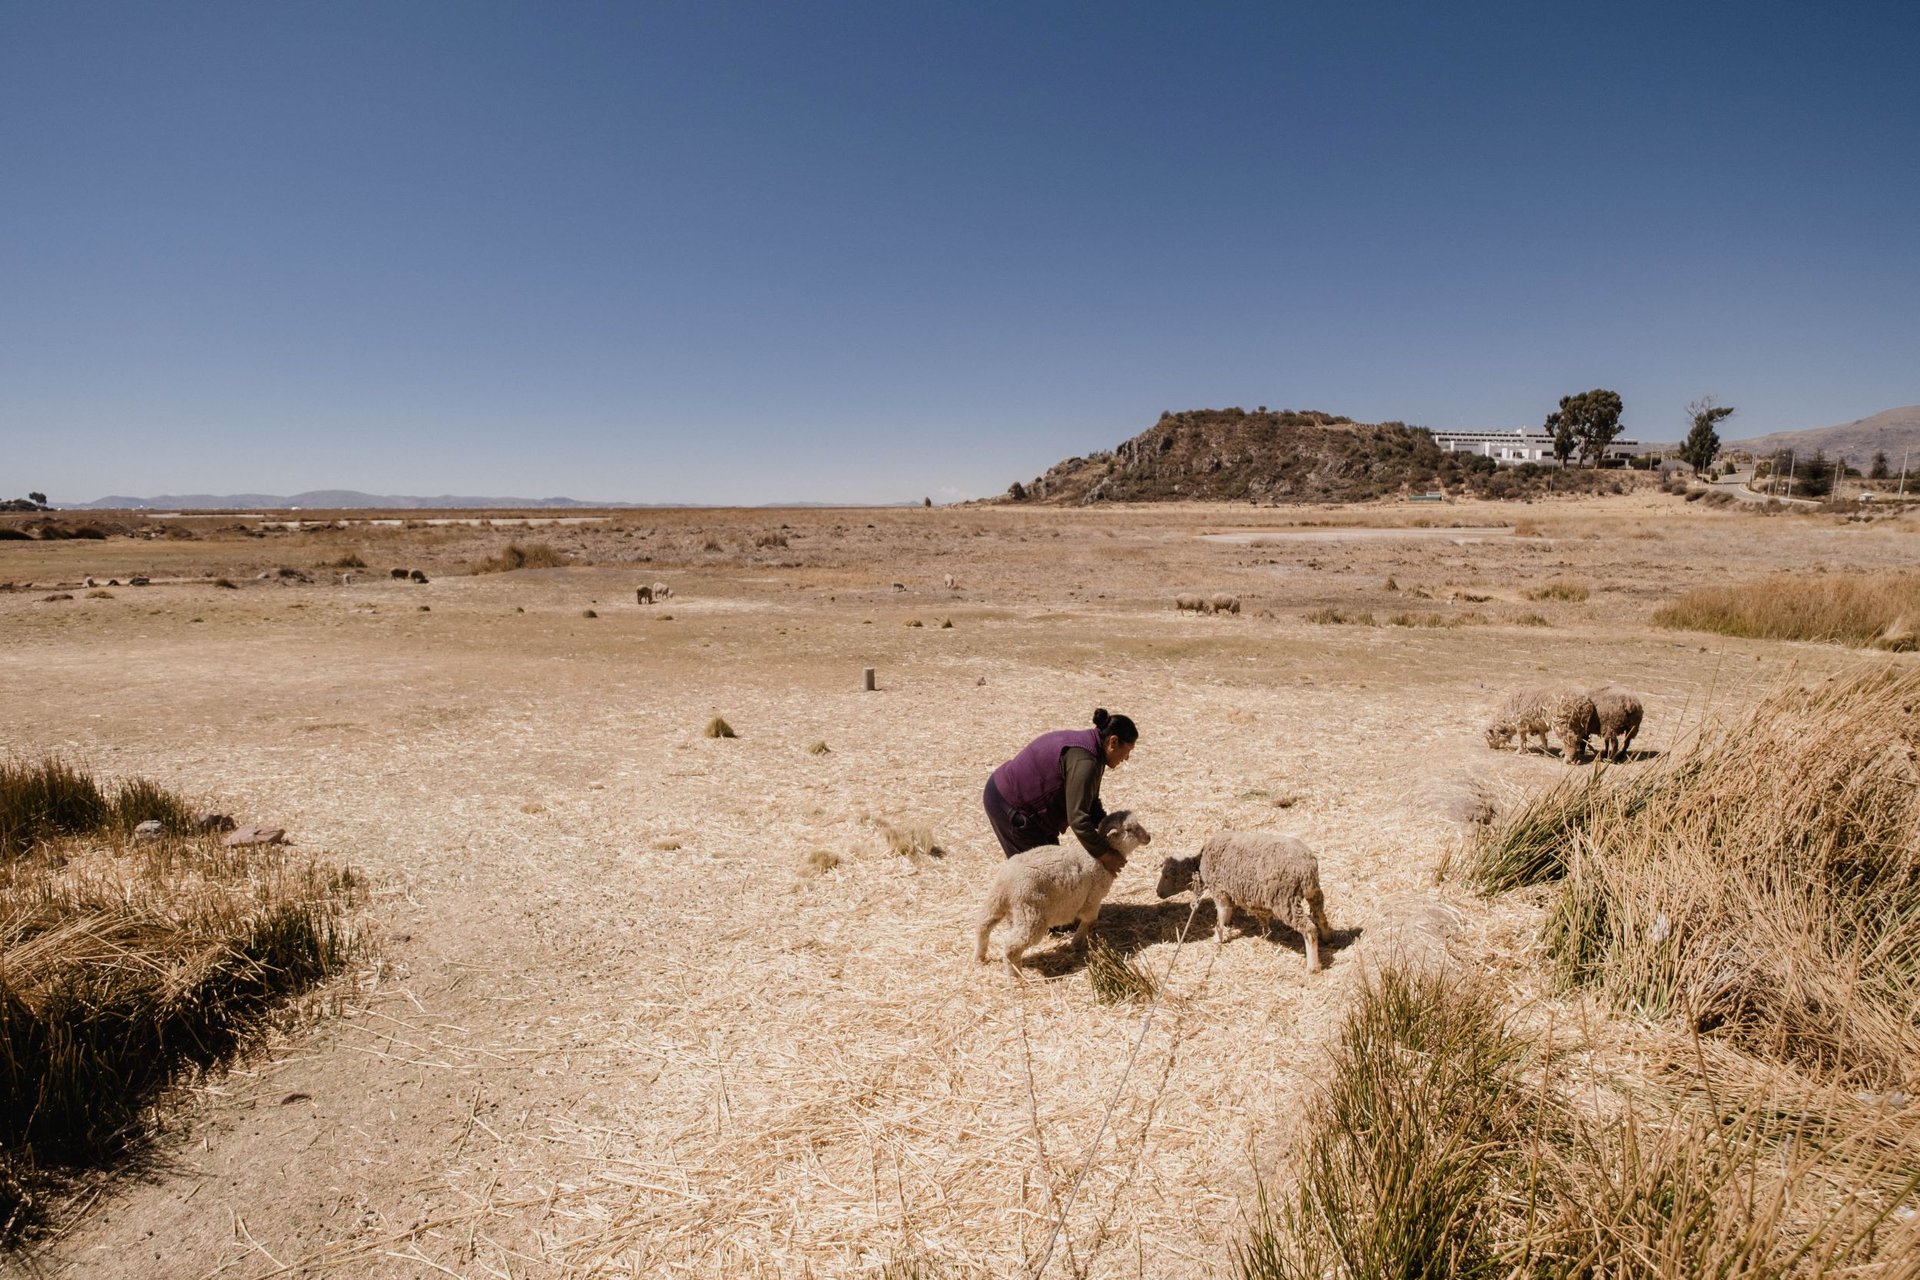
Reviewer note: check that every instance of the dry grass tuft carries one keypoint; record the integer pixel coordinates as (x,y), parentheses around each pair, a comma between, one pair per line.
(819,862)
(1559,589)
(1446,1144)
(1855,609)
(819,748)
(719,728)
(226,584)
(1116,978)
(910,842)
(100,593)
(538,555)
(589,613)
(127,966)
(1338,618)
(1763,886)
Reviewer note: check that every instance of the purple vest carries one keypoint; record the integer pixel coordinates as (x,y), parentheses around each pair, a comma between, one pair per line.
(1032,781)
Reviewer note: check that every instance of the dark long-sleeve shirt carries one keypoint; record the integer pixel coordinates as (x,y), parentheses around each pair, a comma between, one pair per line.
(1081,773)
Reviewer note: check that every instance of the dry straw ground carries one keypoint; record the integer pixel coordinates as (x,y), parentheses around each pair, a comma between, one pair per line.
(629,1020)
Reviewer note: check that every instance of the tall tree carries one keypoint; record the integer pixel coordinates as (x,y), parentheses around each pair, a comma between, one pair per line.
(1880,470)
(1702,444)
(1562,432)
(1592,419)
(40,498)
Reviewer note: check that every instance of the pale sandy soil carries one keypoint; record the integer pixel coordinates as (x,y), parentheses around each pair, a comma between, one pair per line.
(616,1031)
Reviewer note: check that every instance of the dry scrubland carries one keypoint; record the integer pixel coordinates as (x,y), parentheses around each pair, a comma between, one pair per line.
(641,1000)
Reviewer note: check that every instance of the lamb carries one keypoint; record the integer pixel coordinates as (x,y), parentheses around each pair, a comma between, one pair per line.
(1266,874)
(1567,713)
(1196,603)
(1225,604)
(1053,884)
(1617,714)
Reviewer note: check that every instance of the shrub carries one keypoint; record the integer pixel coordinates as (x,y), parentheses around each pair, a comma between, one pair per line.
(1559,589)
(1334,618)
(819,862)
(819,748)
(719,728)
(344,562)
(1838,608)
(46,798)
(539,555)
(226,584)
(765,540)
(910,842)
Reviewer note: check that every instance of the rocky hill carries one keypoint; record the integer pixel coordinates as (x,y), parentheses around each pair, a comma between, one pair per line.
(1892,433)
(1232,455)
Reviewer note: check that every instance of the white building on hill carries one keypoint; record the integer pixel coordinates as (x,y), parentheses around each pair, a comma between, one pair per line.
(1511,448)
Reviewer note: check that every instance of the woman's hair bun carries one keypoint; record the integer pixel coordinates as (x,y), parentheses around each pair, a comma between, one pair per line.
(1100,717)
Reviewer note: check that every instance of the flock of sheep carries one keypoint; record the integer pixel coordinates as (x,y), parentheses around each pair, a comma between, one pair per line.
(1207,604)
(1269,876)
(1573,715)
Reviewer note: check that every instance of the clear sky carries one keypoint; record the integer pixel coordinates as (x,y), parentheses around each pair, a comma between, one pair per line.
(720,252)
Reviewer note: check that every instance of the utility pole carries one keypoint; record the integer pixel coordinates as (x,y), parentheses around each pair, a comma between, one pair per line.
(1791,459)
(1903,470)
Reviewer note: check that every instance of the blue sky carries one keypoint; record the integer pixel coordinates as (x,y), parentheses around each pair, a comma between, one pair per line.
(750,252)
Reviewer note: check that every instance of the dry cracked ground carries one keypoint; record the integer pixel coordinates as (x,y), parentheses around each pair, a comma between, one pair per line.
(612,1021)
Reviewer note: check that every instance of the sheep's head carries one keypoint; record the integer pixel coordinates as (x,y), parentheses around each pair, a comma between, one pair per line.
(1176,876)
(1499,733)
(1124,832)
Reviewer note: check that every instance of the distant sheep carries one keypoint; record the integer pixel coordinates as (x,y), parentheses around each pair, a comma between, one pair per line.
(398,575)
(950,582)
(1197,604)
(661,591)
(1616,719)
(1267,875)
(418,576)
(1053,884)
(1224,604)
(1567,713)
(643,596)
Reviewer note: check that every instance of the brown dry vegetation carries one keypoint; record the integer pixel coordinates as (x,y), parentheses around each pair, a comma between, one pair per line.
(634,1023)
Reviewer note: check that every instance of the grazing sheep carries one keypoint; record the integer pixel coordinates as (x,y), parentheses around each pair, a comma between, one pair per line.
(418,576)
(1617,713)
(661,591)
(950,582)
(1567,713)
(398,575)
(1265,874)
(1196,603)
(643,596)
(1053,884)
(1225,604)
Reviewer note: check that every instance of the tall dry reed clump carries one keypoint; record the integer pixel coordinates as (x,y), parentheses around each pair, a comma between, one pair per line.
(1838,608)
(125,964)
(538,555)
(1762,885)
(1446,1144)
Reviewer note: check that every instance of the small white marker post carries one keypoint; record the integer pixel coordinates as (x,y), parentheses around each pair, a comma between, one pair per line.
(866,681)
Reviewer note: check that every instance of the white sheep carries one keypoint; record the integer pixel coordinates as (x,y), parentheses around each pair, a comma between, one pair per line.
(1567,713)
(1224,604)
(1052,885)
(950,582)
(661,591)
(1263,873)
(1617,714)
(1196,603)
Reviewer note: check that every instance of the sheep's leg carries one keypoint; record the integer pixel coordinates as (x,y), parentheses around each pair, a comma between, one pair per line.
(1222,915)
(1028,930)
(1317,930)
(987,922)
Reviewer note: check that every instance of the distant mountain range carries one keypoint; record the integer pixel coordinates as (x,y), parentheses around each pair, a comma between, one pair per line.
(1893,433)
(322,499)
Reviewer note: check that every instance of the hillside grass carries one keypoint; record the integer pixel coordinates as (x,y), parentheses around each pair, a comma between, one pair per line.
(1840,608)
(128,965)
